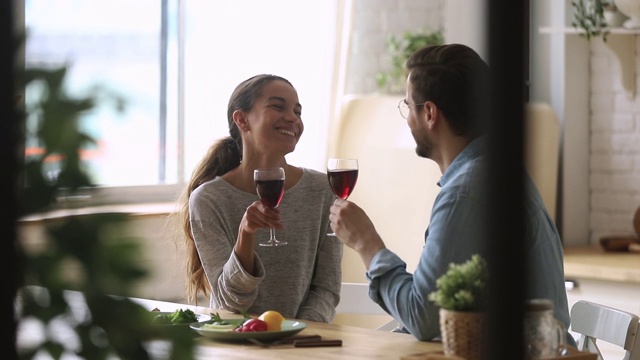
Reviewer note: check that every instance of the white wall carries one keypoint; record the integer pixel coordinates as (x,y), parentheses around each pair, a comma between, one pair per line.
(614,145)
(373,22)
(465,23)
(600,167)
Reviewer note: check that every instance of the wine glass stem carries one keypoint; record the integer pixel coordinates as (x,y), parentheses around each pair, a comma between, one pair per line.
(272,232)
(331,233)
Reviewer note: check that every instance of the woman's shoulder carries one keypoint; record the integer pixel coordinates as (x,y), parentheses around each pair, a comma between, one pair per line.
(208,186)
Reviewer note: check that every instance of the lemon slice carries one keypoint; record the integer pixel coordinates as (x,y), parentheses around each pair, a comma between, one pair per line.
(273,319)
(218,327)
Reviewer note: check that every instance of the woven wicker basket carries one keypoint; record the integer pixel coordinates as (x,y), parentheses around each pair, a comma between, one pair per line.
(463,333)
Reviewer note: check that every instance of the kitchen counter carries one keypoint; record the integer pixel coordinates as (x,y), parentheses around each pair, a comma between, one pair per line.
(591,262)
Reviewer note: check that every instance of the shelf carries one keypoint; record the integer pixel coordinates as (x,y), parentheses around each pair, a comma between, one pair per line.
(574,31)
(621,44)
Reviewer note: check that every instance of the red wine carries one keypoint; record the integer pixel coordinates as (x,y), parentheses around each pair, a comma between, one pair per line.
(270,192)
(342,182)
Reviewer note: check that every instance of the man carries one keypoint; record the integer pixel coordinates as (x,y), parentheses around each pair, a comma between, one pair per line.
(441,104)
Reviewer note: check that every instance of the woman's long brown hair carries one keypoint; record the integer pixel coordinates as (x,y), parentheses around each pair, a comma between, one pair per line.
(223,156)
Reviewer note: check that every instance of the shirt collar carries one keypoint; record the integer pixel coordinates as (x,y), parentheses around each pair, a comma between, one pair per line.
(476,148)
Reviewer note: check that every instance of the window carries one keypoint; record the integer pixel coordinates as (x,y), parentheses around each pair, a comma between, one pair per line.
(176,63)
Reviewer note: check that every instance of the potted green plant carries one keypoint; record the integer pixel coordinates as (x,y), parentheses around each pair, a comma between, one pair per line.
(392,81)
(589,17)
(461,293)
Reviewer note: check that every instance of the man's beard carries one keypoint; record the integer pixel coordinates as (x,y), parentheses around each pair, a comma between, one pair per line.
(424,148)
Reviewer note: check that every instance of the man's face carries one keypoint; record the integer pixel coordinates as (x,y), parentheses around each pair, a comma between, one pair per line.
(417,121)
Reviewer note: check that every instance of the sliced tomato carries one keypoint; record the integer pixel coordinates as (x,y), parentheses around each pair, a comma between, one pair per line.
(253,325)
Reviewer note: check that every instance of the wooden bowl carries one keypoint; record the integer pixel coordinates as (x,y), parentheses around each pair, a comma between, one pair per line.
(618,243)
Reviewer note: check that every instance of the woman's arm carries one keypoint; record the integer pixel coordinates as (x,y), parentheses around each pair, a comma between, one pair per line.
(324,291)
(233,287)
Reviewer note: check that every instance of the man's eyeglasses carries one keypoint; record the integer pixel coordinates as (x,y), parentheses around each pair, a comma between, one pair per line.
(404,107)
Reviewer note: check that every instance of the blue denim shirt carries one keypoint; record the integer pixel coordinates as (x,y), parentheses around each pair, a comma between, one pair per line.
(457,219)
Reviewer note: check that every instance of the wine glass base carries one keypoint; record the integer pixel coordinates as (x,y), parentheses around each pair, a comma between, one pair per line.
(331,234)
(273,243)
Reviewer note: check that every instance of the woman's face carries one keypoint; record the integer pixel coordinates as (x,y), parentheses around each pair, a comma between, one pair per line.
(275,122)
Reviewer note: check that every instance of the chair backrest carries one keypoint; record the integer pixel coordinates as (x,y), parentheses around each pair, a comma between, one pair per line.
(542,151)
(599,322)
(371,129)
(354,299)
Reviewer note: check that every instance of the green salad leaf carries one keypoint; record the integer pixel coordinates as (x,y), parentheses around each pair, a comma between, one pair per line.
(180,316)
(217,320)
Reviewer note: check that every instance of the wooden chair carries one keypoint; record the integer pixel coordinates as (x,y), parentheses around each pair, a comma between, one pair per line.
(354,299)
(370,128)
(599,322)
(542,151)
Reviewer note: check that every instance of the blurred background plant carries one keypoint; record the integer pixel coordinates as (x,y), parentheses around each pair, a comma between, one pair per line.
(93,255)
(588,16)
(393,80)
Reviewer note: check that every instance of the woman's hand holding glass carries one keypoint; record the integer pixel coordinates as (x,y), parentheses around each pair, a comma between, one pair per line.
(258,216)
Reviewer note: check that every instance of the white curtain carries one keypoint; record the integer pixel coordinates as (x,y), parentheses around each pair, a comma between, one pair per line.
(344,27)
(229,41)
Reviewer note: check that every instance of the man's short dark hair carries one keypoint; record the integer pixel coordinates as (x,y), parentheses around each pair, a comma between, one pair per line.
(457,80)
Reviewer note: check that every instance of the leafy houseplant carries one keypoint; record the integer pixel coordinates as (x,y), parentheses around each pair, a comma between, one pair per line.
(463,286)
(461,293)
(588,16)
(399,49)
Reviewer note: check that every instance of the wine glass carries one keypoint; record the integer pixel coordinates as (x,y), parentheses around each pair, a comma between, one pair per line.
(270,189)
(342,174)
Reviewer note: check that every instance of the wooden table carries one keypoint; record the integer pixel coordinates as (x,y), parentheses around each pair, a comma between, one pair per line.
(357,343)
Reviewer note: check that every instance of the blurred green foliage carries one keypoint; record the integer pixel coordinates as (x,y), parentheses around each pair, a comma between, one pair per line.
(94,255)
(588,16)
(55,119)
(393,80)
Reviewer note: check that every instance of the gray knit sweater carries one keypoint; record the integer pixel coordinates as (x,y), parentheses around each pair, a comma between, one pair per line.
(300,280)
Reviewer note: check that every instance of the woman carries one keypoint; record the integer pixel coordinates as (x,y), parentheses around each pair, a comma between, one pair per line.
(223,218)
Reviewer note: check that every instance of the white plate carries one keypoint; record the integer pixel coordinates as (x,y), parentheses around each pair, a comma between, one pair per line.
(289,328)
